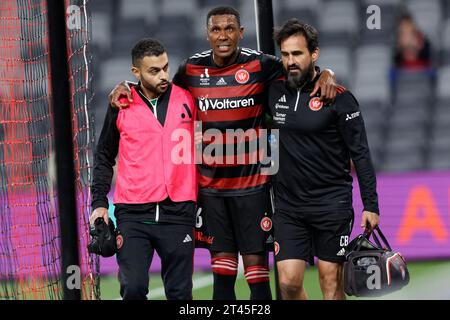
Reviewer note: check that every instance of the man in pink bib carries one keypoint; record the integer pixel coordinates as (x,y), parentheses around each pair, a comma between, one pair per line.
(156,187)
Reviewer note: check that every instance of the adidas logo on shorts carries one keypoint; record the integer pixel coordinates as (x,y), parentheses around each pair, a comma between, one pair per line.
(341,252)
(187,239)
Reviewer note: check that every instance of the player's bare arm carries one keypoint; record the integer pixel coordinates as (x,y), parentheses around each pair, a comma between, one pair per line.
(117,95)
(327,86)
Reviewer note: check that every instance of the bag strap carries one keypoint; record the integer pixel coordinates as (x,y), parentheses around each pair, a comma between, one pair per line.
(366,235)
(363,236)
(383,238)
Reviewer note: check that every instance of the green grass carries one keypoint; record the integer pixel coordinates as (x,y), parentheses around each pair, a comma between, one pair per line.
(420,273)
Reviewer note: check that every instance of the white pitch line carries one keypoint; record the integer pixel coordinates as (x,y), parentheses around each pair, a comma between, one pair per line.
(198,283)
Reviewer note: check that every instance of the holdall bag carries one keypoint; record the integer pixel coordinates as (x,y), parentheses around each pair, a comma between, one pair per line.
(372,269)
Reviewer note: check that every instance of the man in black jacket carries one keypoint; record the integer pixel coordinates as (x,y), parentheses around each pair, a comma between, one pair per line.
(313,191)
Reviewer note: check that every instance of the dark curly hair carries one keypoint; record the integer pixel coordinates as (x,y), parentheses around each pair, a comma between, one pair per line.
(218,11)
(293,27)
(146,47)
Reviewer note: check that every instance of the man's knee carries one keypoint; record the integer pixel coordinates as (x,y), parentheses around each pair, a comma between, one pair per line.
(290,288)
(290,284)
(254,259)
(331,281)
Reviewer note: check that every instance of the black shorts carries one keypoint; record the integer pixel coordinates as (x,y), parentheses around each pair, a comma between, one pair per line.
(137,244)
(235,224)
(304,235)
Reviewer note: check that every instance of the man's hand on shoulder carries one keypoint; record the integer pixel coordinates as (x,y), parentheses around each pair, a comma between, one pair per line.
(120,97)
(327,86)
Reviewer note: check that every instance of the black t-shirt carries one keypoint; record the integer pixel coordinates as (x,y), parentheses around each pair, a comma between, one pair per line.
(316,144)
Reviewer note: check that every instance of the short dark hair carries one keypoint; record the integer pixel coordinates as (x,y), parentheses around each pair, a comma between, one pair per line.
(294,27)
(219,11)
(146,47)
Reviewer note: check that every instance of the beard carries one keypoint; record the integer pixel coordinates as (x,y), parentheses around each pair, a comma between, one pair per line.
(298,79)
(155,89)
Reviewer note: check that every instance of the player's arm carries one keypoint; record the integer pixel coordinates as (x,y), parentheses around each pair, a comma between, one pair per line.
(120,91)
(351,126)
(104,161)
(327,85)
(179,79)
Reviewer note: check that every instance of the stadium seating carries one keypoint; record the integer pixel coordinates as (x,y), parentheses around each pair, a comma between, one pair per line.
(338,59)
(144,9)
(406,113)
(428,17)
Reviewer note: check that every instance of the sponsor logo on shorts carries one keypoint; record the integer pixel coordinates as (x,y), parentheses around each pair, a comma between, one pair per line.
(266,224)
(119,241)
(200,237)
(341,252)
(315,104)
(276,248)
(242,76)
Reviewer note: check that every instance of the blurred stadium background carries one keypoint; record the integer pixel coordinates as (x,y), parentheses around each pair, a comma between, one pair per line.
(406,111)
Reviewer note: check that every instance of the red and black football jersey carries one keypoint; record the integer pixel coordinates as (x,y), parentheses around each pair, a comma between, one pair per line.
(231,100)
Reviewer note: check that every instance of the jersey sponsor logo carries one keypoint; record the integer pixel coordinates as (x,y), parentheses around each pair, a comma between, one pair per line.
(281,106)
(315,104)
(276,246)
(119,241)
(221,82)
(266,224)
(279,118)
(282,99)
(204,78)
(352,116)
(242,76)
(206,104)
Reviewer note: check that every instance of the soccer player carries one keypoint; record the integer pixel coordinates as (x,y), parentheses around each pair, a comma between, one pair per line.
(230,86)
(313,190)
(155,195)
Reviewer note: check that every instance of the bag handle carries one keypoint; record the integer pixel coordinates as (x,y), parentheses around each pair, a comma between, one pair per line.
(383,238)
(366,235)
(363,236)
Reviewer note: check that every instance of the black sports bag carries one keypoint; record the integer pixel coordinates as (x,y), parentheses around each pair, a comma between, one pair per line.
(372,269)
